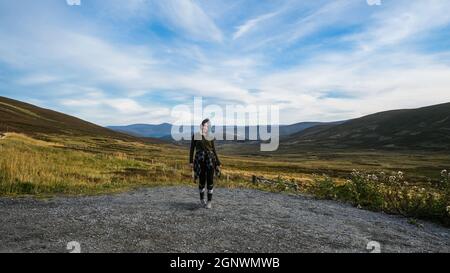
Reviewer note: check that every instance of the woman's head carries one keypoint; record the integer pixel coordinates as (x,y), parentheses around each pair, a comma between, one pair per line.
(204,126)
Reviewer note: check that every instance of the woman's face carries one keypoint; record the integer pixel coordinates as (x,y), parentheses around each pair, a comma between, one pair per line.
(205,128)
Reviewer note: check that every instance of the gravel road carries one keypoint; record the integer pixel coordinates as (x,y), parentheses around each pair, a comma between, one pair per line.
(169,219)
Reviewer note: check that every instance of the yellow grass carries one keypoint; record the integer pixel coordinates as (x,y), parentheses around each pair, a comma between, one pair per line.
(30,166)
(86,165)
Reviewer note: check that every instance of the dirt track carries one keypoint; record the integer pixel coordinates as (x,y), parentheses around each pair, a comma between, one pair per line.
(169,219)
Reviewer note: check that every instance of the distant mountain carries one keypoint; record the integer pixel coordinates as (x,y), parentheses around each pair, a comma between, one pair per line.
(20,117)
(145,130)
(163,130)
(422,128)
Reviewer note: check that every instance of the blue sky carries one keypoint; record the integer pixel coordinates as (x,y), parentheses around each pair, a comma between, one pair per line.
(121,62)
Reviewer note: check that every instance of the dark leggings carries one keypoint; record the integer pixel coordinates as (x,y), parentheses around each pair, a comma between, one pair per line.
(206,178)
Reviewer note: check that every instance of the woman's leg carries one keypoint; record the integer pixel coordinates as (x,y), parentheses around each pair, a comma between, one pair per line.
(210,183)
(202,182)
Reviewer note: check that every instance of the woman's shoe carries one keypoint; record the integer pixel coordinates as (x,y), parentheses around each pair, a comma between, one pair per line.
(209,205)
(203,203)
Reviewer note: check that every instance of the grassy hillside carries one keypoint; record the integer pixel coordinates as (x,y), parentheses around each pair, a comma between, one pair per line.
(20,117)
(426,128)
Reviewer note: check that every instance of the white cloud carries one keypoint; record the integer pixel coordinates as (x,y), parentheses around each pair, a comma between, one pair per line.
(297,20)
(329,14)
(106,110)
(38,79)
(252,23)
(368,85)
(190,17)
(406,20)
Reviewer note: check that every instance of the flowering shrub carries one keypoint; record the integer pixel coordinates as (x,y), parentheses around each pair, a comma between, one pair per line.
(390,193)
(365,191)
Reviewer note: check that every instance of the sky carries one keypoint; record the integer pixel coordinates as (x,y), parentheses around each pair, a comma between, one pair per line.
(120,62)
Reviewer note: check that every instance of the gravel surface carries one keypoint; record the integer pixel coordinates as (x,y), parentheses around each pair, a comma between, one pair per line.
(169,219)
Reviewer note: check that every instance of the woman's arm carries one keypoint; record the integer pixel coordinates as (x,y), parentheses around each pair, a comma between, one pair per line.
(214,150)
(191,152)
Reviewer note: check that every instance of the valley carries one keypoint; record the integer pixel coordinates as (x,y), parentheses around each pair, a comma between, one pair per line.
(46,153)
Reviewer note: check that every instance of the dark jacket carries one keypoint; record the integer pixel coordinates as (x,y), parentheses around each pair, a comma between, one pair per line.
(202,145)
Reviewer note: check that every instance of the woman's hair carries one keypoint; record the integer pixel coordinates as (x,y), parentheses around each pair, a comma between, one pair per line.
(205,121)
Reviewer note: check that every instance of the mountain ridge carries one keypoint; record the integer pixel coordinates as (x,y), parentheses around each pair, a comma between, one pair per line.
(163,130)
(425,127)
(21,117)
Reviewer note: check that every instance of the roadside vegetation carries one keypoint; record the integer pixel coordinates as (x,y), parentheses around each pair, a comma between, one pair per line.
(390,193)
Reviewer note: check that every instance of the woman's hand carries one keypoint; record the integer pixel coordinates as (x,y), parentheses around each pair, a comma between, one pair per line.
(191,165)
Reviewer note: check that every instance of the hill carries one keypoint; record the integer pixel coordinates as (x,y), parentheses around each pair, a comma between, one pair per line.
(421,128)
(20,117)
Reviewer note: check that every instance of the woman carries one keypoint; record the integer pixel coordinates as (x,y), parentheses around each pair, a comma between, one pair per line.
(205,163)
